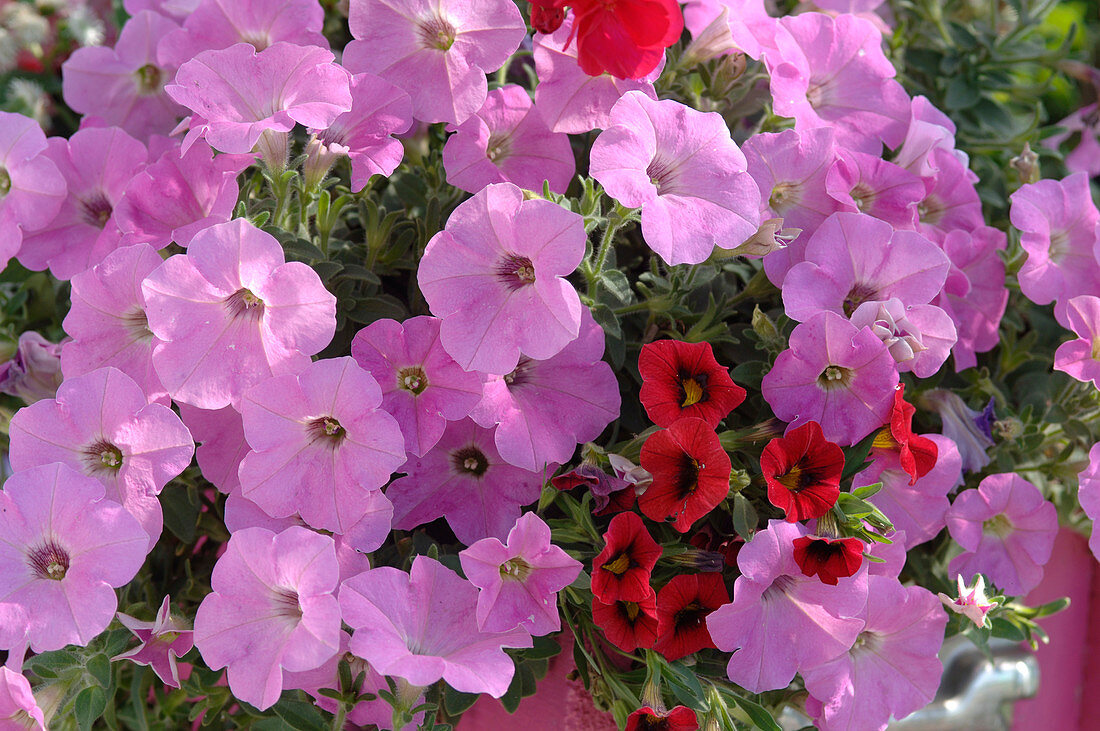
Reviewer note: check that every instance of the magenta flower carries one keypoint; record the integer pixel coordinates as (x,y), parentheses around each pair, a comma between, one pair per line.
(952,201)
(1088,494)
(971,601)
(97,164)
(17,704)
(833,72)
(34,372)
(1085,157)
(65,548)
(929,130)
(437,50)
(378,110)
(683,170)
(102,425)
(107,320)
(751,29)
(974,295)
(271,90)
(1058,229)
(544,408)
(892,669)
(507,141)
(422,627)
(781,621)
(568,99)
(422,386)
(496,277)
(868,184)
(163,641)
(216,24)
(853,258)
(273,607)
(464,479)
(231,312)
(124,85)
(519,579)
(835,374)
(177,196)
(320,444)
(919,337)
(1007,530)
(33,189)
(1080,358)
(222,445)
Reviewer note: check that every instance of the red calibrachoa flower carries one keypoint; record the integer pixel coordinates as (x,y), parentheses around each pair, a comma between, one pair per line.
(682,608)
(917,454)
(683,379)
(627,625)
(829,558)
(691,473)
(621,571)
(680,718)
(803,472)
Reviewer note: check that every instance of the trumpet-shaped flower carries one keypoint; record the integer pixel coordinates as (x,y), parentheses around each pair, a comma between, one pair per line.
(222,446)
(34,371)
(627,625)
(1088,494)
(17,704)
(32,188)
(691,473)
(1080,358)
(163,641)
(682,379)
(622,569)
(802,470)
(919,337)
(974,295)
(683,605)
(971,601)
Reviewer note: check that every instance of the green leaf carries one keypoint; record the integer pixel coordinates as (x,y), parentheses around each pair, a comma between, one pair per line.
(616,282)
(855,457)
(542,648)
(867,490)
(99,666)
(759,715)
(299,715)
(181,515)
(511,698)
(89,706)
(457,702)
(744,517)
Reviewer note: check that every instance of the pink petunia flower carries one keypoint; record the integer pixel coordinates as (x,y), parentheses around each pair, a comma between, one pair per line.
(682,168)
(971,601)
(974,295)
(163,641)
(271,90)
(222,446)
(544,408)
(868,184)
(1058,225)
(422,386)
(31,188)
(107,320)
(378,110)
(567,98)
(178,9)
(496,277)
(892,669)
(179,195)
(929,130)
(273,607)
(835,374)
(1088,495)
(34,371)
(64,549)
(951,202)
(853,258)
(520,578)
(216,24)
(97,164)
(1080,358)
(17,704)
(320,444)
(781,621)
(1007,530)
(231,312)
(101,424)
(437,50)
(1085,157)
(464,479)
(507,141)
(751,29)
(124,85)
(422,627)
(919,337)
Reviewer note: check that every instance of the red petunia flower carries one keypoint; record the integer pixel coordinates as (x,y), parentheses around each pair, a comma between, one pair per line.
(828,558)
(682,608)
(627,625)
(803,472)
(918,454)
(691,473)
(683,379)
(621,571)
(680,718)
(546,18)
(625,38)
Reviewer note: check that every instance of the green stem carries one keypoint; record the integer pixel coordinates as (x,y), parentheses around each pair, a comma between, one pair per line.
(341,717)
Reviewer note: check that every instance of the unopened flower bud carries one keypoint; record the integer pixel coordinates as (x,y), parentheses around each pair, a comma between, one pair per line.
(1027,165)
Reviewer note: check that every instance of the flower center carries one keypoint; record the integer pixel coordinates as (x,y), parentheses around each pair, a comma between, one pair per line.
(998,525)
(499,148)
(618,565)
(96,211)
(834,377)
(5,181)
(437,33)
(286,604)
(662,173)
(857,295)
(515,569)
(783,196)
(796,480)
(470,460)
(931,210)
(327,429)
(136,324)
(689,475)
(692,390)
(49,561)
(521,375)
(863,196)
(632,610)
(1096,348)
(690,616)
(148,79)
(243,303)
(412,379)
(102,458)
(1059,246)
(515,271)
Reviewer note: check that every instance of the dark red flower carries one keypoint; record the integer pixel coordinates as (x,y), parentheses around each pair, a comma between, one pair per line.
(803,472)
(627,625)
(691,473)
(545,18)
(917,454)
(621,571)
(683,379)
(828,558)
(680,718)
(682,608)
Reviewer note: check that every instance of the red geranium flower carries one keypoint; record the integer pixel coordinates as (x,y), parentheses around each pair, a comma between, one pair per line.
(691,473)
(682,608)
(621,571)
(625,38)
(683,379)
(828,558)
(917,454)
(803,472)
(627,625)
(546,18)
(680,718)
